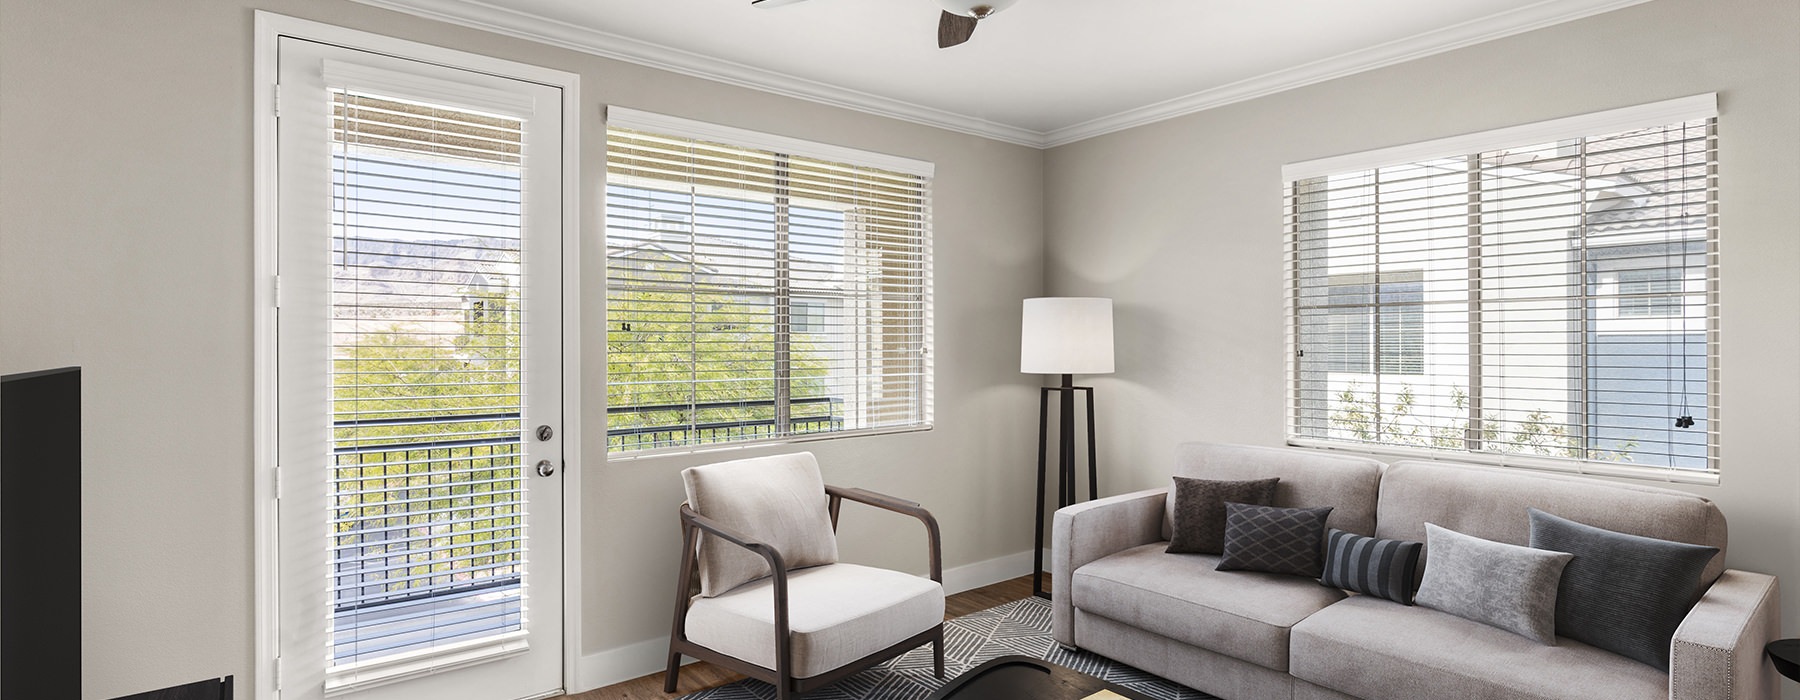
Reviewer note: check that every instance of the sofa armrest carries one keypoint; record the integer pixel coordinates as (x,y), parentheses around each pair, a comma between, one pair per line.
(1087,531)
(1718,649)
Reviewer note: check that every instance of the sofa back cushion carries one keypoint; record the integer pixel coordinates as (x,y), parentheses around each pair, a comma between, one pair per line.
(1309,479)
(1491,503)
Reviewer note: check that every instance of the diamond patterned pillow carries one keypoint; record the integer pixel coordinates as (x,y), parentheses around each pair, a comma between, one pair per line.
(1275,540)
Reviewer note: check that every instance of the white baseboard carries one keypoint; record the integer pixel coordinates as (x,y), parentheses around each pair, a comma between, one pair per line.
(984,573)
(621,664)
(624,663)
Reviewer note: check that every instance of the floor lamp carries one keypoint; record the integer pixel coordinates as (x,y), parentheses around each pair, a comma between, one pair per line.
(1064,336)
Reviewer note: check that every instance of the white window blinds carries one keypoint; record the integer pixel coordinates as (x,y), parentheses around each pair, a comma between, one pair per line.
(1548,302)
(427,493)
(761,287)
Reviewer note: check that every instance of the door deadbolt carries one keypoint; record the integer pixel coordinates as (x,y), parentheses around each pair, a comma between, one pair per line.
(545,467)
(545,433)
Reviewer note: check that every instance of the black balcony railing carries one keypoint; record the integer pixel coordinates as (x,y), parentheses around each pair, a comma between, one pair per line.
(424,507)
(665,425)
(427,541)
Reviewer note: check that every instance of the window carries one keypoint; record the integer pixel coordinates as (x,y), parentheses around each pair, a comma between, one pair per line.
(1542,295)
(1650,292)
(1367,321)
(760,287)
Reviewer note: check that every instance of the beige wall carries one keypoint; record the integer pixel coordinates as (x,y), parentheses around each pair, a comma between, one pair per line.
(125,247)
(1180,222)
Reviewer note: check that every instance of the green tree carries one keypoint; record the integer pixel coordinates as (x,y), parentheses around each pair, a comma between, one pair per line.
(1362,416)
(411,390)
(678,357)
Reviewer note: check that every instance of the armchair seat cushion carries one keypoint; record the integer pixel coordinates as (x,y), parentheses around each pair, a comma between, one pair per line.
(1370,647)
(1243,614)
(837,613)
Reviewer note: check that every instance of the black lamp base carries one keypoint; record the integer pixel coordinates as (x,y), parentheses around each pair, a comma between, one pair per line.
(1066,485)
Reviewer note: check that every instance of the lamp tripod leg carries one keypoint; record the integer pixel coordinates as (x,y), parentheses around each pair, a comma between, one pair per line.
(1037,551)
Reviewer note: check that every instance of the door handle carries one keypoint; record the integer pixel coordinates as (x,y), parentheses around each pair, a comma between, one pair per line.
(546,467)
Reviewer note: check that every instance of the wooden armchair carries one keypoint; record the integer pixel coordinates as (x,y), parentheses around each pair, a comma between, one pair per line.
(774,604)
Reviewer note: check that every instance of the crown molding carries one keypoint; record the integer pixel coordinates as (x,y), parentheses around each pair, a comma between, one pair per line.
(1517,21)
(499,20)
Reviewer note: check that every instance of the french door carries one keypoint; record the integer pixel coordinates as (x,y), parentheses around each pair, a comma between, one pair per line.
(419,402)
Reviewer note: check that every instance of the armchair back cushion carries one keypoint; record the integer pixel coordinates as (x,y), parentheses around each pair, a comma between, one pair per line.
(779,501)
(1309,479)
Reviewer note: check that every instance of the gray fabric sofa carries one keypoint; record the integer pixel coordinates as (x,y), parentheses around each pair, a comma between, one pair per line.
(1254,636)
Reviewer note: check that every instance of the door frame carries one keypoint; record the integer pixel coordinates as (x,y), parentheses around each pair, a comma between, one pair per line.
(265,296)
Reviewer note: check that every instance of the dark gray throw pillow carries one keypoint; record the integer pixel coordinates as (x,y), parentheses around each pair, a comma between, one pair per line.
(1371,566)
(1275,540)
(1197,511)
(1622,593)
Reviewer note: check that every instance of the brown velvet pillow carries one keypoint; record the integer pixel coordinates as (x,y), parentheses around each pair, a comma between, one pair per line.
(1198,515)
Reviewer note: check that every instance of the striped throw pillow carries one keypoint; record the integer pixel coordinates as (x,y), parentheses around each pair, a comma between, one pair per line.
(1381,568)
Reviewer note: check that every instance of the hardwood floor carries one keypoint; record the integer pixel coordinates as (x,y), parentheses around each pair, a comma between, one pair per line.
(702,675)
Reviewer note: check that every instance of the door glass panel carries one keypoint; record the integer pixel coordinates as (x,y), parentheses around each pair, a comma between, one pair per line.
(426,538)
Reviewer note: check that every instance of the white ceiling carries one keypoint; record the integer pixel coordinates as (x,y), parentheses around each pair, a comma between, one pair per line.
(1041,73)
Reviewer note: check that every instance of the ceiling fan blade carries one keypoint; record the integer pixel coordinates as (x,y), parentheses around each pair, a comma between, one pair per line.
(954,29)
(772,3)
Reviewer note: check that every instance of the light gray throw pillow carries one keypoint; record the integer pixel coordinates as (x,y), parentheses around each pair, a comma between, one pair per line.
(779,501)
(1503,585)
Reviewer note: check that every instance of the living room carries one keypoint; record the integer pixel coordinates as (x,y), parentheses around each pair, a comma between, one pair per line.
(133,180)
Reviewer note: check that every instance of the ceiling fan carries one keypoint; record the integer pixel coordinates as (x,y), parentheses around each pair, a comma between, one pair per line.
(955,25)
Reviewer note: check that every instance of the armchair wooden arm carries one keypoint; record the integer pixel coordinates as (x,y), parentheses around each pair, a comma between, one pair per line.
(839,494)
(692,524)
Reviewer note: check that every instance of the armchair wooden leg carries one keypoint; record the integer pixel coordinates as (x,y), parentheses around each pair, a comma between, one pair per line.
(937,654)
(673,676)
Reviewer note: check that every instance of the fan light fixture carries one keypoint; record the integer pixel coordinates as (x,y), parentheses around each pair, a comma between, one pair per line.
(955,24)
(977,9)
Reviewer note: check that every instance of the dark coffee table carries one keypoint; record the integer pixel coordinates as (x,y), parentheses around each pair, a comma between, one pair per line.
(1026,678)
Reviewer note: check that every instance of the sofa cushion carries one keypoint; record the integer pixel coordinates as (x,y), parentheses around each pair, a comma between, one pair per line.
(837,613)
(1308,478)
(1243,614)
(1276,540)
(1490,503)
(1507,586)
(1373,648)
(1199,510)
(1623,593)
(1377,567)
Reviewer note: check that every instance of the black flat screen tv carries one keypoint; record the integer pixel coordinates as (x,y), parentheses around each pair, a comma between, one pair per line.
(40,534)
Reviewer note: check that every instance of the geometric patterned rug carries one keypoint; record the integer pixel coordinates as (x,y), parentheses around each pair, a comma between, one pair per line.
(1019,627)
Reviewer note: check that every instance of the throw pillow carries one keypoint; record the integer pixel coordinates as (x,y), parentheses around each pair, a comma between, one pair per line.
(1197,511)
(1377,567)
(779,501)
(1622,593)
(1494,583)
(1275,540)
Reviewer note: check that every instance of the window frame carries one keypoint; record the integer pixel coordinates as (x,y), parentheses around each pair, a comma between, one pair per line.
(1706,287)
(783,298)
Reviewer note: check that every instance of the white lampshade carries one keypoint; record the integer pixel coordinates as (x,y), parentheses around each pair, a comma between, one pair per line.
(1067,335)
